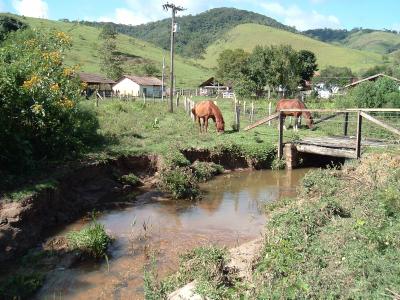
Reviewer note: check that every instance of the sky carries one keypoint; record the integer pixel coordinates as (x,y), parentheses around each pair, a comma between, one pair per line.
(305,14)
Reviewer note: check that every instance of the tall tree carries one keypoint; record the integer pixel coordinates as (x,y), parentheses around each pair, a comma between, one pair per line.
(258,64)
(110,62)
(231,63)
(308,64)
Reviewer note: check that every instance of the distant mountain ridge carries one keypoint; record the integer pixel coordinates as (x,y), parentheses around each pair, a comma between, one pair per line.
(196,32)
(378,41)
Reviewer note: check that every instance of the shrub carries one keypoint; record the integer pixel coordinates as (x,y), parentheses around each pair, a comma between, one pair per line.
(39,96)
(130,179)
(278,164)
(176,159)
(204,171)
(91,240)
(180,182)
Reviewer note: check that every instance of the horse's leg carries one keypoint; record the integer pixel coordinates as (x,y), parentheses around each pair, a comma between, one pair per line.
(206,123)
(295,123)
(198,122)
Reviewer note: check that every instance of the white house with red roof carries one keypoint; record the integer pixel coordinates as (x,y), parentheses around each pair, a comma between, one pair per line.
(137,86)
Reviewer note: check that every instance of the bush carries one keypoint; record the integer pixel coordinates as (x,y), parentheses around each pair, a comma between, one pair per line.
(180,182)
(204,171)
(91,240)
(176,159)
(130,179)
(39,96)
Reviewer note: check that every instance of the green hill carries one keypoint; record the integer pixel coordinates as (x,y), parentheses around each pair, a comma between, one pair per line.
(134,52)
(195,32)
(376,41)
(247,36)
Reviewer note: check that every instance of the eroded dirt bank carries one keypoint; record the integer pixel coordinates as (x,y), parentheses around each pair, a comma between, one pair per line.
(23,224)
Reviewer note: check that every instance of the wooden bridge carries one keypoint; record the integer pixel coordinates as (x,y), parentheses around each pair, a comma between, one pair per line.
(342,145)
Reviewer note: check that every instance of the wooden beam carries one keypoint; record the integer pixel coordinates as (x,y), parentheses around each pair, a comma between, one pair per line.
(327,118)
(380,123)
(326,151)
(280,135)
(359,127)
(262,121)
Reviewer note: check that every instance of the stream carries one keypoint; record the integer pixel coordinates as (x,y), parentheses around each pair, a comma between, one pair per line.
(230,213)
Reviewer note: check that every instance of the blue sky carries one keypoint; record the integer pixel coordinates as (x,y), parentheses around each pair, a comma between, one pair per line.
(305,14)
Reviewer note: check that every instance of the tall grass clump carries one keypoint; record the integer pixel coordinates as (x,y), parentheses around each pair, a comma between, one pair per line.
(91,240)
(204,171)
(180,182)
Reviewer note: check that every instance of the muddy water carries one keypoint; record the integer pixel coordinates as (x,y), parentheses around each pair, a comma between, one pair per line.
(230,213)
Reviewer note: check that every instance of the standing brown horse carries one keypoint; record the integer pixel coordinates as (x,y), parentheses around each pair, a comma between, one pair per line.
(208,110)
(294,104)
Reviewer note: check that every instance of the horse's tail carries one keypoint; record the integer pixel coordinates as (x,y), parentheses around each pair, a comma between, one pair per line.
(194,111)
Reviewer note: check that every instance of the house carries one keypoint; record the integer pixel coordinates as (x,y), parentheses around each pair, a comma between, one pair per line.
(137,86)
(212,87)
(97,82)
(371,78)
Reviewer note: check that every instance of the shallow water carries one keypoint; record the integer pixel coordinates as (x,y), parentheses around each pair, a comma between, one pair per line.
(231,212)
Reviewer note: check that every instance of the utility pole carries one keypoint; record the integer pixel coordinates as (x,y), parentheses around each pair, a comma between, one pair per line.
(163,78)
(174,28)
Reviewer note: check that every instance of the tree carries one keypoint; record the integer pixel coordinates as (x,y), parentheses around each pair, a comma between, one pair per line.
(9,24)
(149,69)
(231,63)
(258,64)
(308,64)
(110,62)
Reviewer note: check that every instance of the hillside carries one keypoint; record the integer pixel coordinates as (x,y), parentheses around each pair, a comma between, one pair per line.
(195,32)
(247,36)
(378,41)
(134,52)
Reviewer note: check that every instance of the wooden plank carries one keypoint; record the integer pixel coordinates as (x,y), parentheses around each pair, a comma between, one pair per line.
(327,118)
(280,136)
(358,137)
(262,121)
(380,123)
(353,110)
(326,151)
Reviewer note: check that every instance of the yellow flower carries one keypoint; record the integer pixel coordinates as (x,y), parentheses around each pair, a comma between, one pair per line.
(68,71)
(66,103)
(54,56)
(55,87)
(28,84)
(37,109)
(63,37)
(84,85)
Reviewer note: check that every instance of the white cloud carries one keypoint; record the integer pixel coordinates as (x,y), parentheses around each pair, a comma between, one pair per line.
(396,26)
(31,8)
(294,16)
(139,11)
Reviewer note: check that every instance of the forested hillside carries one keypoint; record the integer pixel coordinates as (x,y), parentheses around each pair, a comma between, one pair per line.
(195,32)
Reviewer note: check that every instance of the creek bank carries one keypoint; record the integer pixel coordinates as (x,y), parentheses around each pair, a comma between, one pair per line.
(24,223)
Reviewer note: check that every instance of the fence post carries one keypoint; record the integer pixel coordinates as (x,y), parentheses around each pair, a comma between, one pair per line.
(269,112)
(177,99)
(252,112)
(346,123)
(280,136)
(190,111)
(144,98)
(244,108)
(358,142)
(237,117)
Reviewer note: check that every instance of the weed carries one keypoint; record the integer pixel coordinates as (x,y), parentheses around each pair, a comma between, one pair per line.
(278,164)
(204,171)
(130,179)
(91,240)
(180,182)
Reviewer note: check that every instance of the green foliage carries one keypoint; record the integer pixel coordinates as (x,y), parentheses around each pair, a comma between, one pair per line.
(175,158)
(180,182)
(9,24)
(308,62)
(150,69)
(130,179)
(204,171)
(39,102)
(91,240)
(381,93)
(21,286)
(231,63)
(278,164)
(30,190)
(111,63)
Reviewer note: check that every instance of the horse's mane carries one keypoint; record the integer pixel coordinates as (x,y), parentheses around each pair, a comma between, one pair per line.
(217,113)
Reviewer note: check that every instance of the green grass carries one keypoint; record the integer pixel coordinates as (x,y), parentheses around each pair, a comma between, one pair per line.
(91,240)
(247,36)
(377,41)
(86,44)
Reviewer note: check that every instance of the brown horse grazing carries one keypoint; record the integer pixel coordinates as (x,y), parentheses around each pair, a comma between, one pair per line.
(294,104)
(208,110)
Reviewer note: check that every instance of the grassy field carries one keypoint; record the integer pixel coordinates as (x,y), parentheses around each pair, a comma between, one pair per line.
(376,41)
(247,36)
(85,52)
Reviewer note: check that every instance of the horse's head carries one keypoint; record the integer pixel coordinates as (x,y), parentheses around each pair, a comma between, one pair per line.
(220,126)
(309,121)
